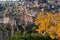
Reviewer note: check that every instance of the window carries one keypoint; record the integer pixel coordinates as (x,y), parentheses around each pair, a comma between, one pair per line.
(42,1)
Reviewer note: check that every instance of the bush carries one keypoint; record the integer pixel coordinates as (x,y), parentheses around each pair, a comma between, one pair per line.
(29,37)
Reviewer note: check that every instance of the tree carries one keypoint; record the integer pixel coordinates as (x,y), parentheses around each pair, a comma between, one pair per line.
(48,23)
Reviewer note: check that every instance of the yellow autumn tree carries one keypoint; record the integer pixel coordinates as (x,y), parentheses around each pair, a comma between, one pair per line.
(49,23)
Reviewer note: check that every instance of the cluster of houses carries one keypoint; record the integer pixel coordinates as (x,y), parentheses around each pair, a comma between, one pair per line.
(21,14)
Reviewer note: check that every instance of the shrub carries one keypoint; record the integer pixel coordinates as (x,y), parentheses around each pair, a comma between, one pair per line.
(49,23)
(29,37)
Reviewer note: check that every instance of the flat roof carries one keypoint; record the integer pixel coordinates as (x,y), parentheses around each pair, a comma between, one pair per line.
(9,0)
(53,0)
